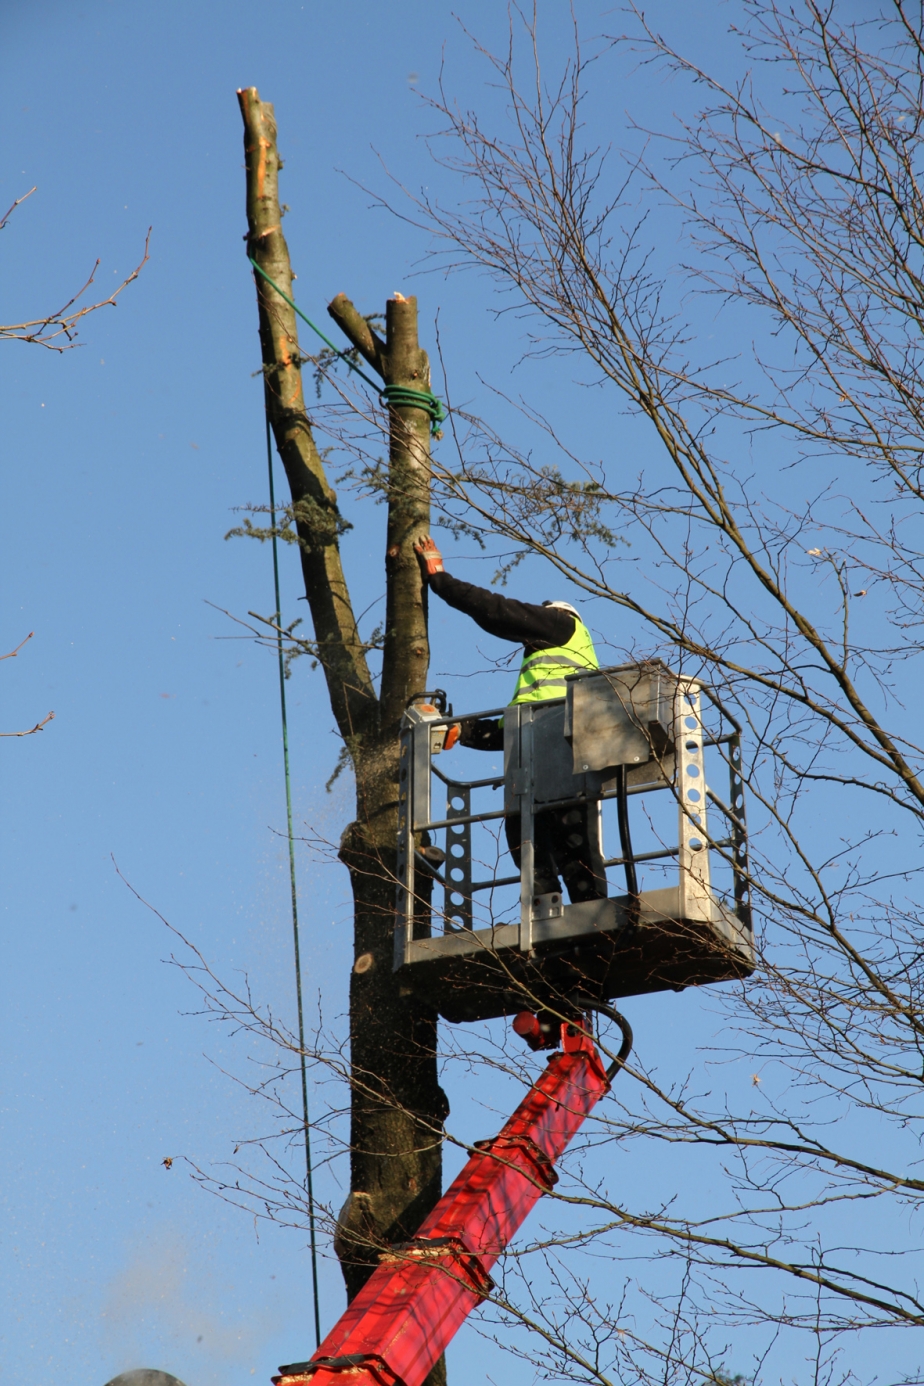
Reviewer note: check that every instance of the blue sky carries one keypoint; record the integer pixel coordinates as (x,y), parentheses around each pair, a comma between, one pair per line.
(123,464)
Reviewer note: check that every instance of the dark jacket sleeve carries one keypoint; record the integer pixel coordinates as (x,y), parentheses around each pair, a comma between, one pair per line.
(482,733)
(536,627)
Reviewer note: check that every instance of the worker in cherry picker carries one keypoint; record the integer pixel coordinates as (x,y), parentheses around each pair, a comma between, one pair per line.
(555,643)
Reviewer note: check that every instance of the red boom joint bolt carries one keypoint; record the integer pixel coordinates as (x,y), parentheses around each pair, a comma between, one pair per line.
(526,1025)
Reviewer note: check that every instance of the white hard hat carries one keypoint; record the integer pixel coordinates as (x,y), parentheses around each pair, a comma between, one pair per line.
(564,606)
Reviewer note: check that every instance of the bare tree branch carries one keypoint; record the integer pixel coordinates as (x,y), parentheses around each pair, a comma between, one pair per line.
(10,210)
(31,731)
(11,654)
(63,323)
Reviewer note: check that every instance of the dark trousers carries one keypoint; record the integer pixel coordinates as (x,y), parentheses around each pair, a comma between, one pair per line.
(566,843)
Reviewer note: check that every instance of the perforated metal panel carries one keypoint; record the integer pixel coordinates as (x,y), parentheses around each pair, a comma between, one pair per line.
(693,857)
(457,907)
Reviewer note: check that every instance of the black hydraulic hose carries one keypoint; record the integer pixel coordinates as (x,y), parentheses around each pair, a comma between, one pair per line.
(618,1019)
(625,838)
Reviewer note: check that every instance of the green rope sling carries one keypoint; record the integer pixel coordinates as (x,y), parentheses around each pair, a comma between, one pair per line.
(393,396)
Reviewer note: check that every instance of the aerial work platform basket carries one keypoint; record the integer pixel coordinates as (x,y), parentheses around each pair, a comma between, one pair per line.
(618,735)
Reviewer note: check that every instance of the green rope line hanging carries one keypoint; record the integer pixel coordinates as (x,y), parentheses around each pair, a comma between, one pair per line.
(309,1174)
(393,396)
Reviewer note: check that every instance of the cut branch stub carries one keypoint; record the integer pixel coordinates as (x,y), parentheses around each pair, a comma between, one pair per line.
(353,325)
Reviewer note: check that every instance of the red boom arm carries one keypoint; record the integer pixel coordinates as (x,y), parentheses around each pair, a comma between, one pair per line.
(420,1293)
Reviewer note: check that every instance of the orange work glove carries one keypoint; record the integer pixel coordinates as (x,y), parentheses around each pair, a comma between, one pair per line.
(452,735)
(429,556)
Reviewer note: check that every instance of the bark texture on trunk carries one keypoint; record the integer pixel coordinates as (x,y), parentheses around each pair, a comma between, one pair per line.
(398,1106)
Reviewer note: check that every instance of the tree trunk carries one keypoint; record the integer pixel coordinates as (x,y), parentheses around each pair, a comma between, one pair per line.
(398,1107)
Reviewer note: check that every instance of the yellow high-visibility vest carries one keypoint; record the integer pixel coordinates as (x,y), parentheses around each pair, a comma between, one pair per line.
(542,675)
